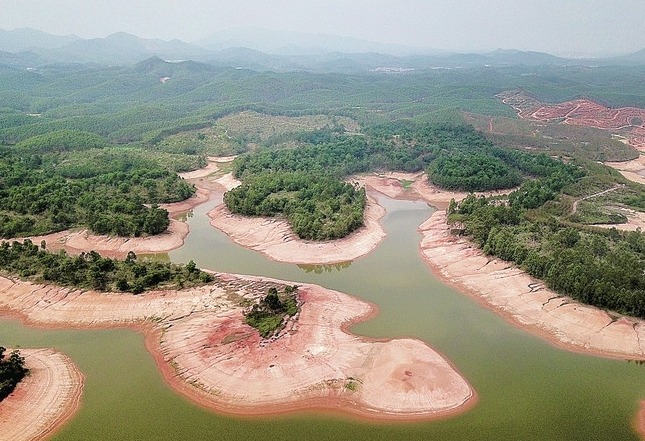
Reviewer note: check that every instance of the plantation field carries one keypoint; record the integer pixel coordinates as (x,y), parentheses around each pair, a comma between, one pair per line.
(238,132)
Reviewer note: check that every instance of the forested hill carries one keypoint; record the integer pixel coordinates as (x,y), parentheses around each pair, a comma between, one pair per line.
(267,50)
(155,98)
(99,147)
(43,190)
(305,184)
(89,146)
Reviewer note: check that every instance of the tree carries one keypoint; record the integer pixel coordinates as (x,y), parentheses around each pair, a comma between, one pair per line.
(12,370)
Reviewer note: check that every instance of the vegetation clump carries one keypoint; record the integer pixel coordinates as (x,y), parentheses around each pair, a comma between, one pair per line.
(269,314)
(60,141)
(92,271)
(37,197)
(12,370)
(305,185)
(600,267)
(317,207)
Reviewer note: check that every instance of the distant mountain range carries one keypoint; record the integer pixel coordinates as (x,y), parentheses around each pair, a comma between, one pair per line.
(299,43)
(261,49)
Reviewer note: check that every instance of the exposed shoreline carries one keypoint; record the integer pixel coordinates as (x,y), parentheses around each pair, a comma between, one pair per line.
(82,240)
(525,301)
(561,320)
(51,392)
(275,239)
(206,352)
(400,383)
(558,319)
(633,170)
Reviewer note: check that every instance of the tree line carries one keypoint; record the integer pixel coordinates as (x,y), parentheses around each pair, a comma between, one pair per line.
(36,197)
(316,207)
(305,184)
(268,315)
(604,268)
(92,271)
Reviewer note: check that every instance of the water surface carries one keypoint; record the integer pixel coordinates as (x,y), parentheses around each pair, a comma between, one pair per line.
(528,390)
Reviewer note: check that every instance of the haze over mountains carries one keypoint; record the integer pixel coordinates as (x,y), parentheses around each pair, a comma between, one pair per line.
(261,49)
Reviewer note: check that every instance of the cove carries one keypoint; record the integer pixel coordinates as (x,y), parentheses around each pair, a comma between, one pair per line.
(528,390)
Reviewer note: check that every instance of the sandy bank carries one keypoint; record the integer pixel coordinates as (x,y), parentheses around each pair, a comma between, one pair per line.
(75,242)
(275,238)
(209,354)
(508,290)
(635,220)
(44,400)
(633,170)
(414,186)
(525,301)
(315,364)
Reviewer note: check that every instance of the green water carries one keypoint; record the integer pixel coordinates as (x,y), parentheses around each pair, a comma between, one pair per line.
(528,390)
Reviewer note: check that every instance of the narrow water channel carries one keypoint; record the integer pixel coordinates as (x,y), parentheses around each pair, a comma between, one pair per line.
(528,390)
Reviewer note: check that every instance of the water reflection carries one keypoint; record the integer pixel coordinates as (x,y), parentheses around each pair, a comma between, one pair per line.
(328,268)
(183,217)
(156,257)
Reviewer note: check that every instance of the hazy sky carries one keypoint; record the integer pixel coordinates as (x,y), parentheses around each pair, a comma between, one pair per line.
(556,26)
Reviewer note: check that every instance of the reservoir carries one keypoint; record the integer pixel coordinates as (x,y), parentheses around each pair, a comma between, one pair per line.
(527,388)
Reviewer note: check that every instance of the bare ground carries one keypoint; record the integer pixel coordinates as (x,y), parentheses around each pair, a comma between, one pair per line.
(522,300)
(207,352)
(525,301)
(633,170)
(275,238)
(43,400)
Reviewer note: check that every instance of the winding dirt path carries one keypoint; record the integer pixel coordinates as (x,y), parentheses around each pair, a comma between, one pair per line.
(582,112)
(574,207)
(43,400)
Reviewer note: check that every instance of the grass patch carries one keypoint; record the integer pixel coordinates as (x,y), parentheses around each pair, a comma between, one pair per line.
(239,132)
(351,385)
(269,314)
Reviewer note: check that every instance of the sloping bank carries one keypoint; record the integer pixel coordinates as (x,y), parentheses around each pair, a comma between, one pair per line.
(206,352)
(510,292)
(44,399)
(497,284)
(506,289)
(527,303)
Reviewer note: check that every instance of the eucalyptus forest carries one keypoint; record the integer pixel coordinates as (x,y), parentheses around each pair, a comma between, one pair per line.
(100,148)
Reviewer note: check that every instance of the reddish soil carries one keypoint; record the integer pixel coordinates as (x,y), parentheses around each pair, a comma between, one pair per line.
(42,401)
(207,352)
(629,121)
(525,301)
